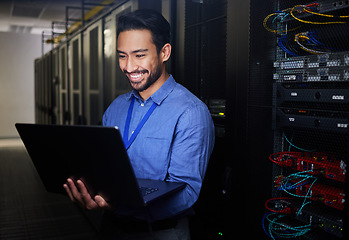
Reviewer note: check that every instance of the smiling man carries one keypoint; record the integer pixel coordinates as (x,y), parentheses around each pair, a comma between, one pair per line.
(167,131)
(141,62)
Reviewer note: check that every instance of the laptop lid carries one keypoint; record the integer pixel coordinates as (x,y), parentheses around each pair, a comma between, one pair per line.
(94,154)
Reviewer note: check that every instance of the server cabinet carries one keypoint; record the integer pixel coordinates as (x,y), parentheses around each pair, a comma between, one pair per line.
(75,80)
(55,86)
(93,73)
(43,90)
(47,103)
(38,77)
(116,83)
(303,69)
(64,106)
(205,46)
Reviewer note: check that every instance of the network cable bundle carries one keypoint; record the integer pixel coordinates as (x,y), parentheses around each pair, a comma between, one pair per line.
(310,120)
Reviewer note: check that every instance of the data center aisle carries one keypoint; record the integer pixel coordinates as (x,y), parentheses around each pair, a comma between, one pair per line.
(27,211)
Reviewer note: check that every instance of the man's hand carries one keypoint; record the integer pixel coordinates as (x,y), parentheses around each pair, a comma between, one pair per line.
(78,193)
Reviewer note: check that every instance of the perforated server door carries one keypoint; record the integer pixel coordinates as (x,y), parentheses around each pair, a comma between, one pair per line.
(38,77)
(75,80)
(64,116)
(55,86)
(93,74)
(43,90)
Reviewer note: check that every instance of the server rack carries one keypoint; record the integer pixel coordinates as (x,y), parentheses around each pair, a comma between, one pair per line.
(75,79)
(55,86)
(93,73)
(116,82)
(308,84)
(44,102)
(64,106)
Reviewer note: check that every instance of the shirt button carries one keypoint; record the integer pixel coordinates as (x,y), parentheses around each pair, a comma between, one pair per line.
(142,104)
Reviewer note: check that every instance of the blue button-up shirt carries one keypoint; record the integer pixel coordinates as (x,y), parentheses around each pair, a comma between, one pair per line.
(174,145)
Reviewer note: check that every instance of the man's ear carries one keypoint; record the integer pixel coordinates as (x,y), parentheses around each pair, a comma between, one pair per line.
(165,52)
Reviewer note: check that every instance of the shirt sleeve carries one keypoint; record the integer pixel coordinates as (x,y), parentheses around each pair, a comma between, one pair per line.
(191,149)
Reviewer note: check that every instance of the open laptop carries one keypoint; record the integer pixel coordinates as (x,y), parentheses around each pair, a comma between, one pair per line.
(94,154)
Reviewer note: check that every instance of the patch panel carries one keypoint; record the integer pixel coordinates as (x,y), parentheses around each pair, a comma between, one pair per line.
(337,59)
(331,67)
(324,74)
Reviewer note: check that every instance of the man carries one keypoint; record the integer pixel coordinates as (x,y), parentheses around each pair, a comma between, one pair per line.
(169,132)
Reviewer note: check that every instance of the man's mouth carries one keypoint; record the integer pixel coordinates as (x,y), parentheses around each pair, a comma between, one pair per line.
(137,76)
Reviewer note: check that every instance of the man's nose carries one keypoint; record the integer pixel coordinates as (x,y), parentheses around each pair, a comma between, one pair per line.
(130,65)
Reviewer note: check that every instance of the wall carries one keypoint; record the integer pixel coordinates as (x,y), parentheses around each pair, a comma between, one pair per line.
(17,54)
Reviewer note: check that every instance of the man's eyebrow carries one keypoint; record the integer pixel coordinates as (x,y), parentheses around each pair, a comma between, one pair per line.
(135,51)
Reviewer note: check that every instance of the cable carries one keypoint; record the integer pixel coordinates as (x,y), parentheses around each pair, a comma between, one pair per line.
(294,186)
(277,31)
(302,149)
(304,36)
(269,29)
(281,42)
(285,210)
(311,12)
(303,176)
(325,15)
(277,228)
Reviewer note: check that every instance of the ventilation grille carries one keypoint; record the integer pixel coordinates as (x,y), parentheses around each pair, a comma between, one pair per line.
(20,29)
(26,11)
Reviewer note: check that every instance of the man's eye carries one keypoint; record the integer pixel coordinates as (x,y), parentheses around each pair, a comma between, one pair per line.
(122,56)
(140,55)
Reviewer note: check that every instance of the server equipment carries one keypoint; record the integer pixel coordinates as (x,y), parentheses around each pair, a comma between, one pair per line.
(310,117)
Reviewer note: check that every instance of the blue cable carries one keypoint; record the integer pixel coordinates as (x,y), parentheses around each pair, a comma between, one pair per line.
(302,149)
(275,227)
(298,175)
(282,46)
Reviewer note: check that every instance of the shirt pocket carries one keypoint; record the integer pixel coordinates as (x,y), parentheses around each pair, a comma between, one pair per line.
(155,158)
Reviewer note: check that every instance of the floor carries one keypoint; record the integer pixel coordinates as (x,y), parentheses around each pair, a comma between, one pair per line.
(27,211)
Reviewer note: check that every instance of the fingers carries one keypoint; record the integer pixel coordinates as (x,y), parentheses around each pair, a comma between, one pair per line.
(70,195)
(83,191)
(78,193)
(101,202)
(85,196)
(75,194)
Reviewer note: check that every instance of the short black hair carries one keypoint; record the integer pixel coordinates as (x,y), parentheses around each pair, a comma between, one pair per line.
(145,19)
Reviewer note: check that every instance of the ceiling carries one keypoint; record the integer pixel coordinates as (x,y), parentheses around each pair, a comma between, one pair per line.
(36,16)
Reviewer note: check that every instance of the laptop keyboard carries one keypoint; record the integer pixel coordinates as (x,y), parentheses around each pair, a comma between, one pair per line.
(147,190)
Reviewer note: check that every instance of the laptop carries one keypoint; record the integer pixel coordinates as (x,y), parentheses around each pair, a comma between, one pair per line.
(94,154)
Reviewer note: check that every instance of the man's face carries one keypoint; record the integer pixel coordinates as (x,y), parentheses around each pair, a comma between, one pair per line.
(138,58)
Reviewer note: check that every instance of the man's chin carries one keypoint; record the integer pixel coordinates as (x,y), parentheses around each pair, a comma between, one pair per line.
(138,86)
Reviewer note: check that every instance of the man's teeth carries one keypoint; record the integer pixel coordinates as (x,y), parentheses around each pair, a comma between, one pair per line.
(136,76)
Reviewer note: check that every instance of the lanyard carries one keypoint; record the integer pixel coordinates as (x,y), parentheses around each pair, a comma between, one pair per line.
(128,142)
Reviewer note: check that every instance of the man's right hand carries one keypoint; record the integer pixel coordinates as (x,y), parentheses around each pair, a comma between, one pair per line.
(78,193)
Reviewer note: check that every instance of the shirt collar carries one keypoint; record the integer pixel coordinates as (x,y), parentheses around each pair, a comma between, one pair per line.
(161,93)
